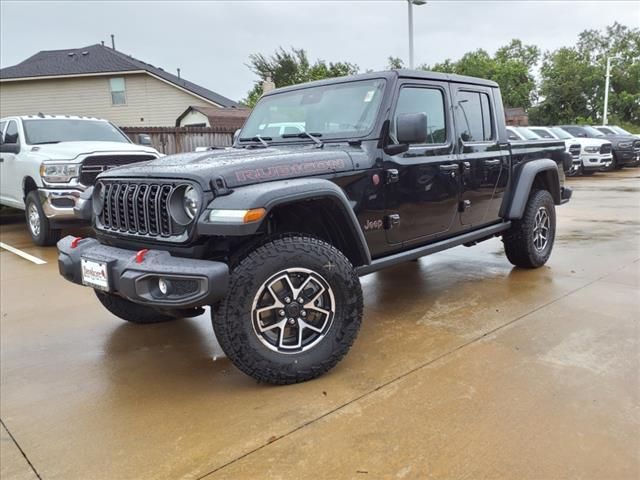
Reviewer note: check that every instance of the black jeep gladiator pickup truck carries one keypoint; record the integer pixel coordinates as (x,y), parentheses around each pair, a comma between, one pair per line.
(326,182)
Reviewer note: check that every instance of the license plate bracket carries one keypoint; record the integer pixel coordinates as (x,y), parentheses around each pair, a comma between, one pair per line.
(95,274)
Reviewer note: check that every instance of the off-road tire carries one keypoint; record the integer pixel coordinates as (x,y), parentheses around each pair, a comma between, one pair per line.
(519,239)
(44,235)
(233,317)
(130,311)
(615,165)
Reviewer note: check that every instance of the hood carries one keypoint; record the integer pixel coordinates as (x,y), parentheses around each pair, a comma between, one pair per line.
(588,142)
(73,150)
(245,166)
(616,139)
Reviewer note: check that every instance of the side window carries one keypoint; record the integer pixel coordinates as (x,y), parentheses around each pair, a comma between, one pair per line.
(12,133)
(2,124)
(424,100)
(118,96)
(474,118)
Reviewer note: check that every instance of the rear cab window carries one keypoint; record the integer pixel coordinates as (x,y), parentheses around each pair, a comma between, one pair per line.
(474,116)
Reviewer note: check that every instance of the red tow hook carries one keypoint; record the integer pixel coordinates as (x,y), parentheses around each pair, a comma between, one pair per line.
(75,242)
(140,255)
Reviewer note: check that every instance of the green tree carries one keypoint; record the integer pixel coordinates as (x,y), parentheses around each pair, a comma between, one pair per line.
(290,68)
(395,63)
(511,67)
(573,79)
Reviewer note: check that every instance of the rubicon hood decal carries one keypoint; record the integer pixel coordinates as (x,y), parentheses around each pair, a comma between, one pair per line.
(245,166)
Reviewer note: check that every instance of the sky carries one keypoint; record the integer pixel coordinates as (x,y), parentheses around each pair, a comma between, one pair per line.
(210,41)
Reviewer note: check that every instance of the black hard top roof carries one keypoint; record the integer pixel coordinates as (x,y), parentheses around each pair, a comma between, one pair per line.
(393,74)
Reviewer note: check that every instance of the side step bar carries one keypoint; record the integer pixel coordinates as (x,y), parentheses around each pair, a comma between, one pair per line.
(469,237)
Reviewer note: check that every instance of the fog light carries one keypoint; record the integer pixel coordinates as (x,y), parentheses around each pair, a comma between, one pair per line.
(164,286)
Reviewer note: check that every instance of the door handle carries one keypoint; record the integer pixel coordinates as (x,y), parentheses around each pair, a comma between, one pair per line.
(449,167)
(497,161)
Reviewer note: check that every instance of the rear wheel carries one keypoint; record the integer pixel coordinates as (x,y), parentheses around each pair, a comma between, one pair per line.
(129,311)
(293,310)
(529,241)
(37,223)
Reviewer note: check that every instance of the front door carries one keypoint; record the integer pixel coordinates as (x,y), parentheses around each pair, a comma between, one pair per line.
(423,183)
(484,161)
(11,186)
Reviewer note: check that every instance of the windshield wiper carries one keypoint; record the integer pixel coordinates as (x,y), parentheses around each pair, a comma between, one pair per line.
(257,138)
(46,143)
(312,136)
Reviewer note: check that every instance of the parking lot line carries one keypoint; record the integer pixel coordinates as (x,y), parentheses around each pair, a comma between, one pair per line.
(20,253)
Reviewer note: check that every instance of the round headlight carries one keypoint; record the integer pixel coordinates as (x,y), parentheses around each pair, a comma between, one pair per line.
(98,198)
(190,201)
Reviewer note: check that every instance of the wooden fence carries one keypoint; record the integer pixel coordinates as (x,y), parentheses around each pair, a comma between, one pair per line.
(170,140)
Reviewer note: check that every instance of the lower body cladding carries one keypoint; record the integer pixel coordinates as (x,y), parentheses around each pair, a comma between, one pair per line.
(153,278)
(595,161)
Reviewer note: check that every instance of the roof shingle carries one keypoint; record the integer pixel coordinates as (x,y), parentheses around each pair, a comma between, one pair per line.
(99,59)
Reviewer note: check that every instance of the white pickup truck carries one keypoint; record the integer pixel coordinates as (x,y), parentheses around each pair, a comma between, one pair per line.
(47,161)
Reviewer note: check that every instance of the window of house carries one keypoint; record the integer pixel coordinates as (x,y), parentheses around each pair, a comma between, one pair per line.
(424,100)
(12,133)
(474,118)
(118,96)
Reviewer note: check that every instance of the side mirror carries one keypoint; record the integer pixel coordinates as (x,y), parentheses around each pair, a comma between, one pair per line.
(144,139)
(236,135)
(411,128)
(10,147)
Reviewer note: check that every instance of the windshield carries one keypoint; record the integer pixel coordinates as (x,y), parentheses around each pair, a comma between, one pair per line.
(542,132)
(606,130)
(593,131)
(38,132)
(620,131)
(330,111)
(560,133)
(526,133)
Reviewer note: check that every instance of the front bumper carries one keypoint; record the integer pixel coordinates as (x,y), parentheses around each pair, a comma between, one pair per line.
(59,204)
(195,283)
(625,157)
(596,161)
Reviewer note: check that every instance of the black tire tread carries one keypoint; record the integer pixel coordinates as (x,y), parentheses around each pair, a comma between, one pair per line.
(517,240)
(227,315)
(48,236)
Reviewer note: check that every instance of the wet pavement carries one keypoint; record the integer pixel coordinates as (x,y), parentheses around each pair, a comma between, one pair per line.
(465,368)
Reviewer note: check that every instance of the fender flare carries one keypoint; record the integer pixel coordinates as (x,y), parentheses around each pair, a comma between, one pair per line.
(270,195)
(524,182)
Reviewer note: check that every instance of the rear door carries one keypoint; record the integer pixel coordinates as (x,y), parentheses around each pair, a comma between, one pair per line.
(484,160)
(423,183)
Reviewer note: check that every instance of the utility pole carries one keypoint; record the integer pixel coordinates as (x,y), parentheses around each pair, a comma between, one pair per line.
(606,91)
(411,3)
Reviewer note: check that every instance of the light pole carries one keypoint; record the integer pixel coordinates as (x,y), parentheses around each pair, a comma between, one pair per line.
(411,3)
(606,89)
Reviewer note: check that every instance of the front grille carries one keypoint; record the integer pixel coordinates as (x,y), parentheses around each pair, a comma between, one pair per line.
(636,146)
(93,166)
(138,208)
(574,150)
(605,148)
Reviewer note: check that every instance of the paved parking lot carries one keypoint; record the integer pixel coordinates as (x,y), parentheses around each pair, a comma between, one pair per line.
(465,368)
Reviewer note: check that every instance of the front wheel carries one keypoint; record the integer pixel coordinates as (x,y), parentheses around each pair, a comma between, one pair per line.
(293,310)
(37,222)
(529,241)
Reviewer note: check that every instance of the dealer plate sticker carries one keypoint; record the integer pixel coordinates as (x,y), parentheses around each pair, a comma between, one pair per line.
(95,274)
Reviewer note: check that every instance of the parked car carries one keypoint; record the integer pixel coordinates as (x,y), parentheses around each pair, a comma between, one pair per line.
(48,161)
(275,232)
(626,148)
(589,154)
(614,130)
(517,134)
